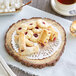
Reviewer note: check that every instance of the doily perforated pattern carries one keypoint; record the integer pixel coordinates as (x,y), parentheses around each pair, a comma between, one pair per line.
(46,51)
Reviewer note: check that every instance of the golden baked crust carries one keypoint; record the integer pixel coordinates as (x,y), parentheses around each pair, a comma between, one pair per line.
(40,63)
(44,37)
(73,29)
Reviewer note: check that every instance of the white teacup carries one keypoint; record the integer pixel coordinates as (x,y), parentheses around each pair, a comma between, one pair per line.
(66,7)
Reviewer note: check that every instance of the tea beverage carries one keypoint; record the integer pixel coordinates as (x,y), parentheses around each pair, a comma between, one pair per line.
(67,1)
(66,5)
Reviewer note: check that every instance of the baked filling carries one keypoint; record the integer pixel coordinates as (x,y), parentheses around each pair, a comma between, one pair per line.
(36,39)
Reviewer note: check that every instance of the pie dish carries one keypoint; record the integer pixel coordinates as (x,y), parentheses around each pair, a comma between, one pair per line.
(36,42)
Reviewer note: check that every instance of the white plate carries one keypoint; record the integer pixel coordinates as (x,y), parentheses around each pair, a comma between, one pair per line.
(62,12)
(62,68)
(10,13)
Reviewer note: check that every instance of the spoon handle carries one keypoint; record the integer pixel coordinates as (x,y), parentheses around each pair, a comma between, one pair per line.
(26,2)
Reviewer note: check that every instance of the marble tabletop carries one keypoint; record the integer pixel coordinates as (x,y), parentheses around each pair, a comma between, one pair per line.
(45,6)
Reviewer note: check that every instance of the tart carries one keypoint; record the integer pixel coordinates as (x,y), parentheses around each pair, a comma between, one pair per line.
(36,42)
(73,29)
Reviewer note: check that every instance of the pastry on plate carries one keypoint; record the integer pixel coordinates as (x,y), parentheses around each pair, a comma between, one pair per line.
(73,29)
(8,7)
(36,42)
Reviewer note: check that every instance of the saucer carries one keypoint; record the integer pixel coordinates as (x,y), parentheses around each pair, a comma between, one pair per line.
(62,12)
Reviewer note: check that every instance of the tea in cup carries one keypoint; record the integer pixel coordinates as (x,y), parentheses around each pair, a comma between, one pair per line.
(66,4)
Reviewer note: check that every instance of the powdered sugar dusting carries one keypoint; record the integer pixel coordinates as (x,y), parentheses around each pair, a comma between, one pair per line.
(10,5)
(15,47)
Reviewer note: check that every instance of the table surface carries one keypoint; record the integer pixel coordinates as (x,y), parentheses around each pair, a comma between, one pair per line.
(45,6)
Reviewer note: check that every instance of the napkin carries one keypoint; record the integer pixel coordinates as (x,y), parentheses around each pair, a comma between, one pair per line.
(66,66)
(4,69)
